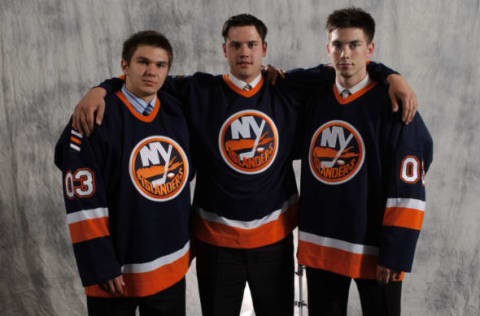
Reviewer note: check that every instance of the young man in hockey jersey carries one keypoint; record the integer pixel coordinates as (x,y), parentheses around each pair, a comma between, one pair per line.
(362,183)
(243,138)
(127,193)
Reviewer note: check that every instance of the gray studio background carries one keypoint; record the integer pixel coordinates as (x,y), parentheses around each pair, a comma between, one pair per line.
(52,51)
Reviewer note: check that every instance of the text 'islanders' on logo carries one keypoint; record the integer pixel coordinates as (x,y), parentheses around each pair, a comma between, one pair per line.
(158,168)
(336,152)
(248,141)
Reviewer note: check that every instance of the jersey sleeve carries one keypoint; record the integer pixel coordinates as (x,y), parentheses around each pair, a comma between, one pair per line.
(410,155)
(81,161)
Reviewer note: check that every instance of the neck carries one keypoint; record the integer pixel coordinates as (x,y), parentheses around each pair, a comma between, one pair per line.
(348,82)
(146,98)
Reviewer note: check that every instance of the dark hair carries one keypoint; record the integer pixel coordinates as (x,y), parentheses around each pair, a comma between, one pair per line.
(244,20)
(351,17)
(149,38)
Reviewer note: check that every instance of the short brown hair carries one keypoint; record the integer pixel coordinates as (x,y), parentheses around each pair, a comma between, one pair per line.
(245,20)
(351,17)
(149,38)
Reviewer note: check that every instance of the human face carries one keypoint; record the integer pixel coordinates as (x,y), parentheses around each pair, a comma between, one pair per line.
(244,50)
(146,71)
(349,50)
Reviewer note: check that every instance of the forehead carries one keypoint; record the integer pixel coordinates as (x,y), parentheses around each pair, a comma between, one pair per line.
(245,33)
(348,34)
(152,53)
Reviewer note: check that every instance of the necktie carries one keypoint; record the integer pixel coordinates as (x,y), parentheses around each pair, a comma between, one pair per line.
(345,93)
(247,87)
(148,109)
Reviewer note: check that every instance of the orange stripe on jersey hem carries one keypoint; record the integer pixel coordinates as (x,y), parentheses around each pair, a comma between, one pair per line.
(354,96)
(357,266)
(403,217)
(148,283)
(232,237)
(89,229)
(244,93)
(144,118)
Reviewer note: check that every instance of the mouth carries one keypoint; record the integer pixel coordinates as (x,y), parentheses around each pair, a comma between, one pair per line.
(149,82)
(244,64)
(345,65)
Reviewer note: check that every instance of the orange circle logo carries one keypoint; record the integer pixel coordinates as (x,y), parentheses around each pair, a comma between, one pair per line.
(158,168)
(336,152)
(248,142)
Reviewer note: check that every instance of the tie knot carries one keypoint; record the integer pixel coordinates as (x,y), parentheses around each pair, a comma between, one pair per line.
(148,109)
(345,93)
(247,87)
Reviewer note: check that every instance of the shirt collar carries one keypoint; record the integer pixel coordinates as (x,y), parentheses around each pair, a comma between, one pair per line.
(138,103)
(241,84)
(359,86)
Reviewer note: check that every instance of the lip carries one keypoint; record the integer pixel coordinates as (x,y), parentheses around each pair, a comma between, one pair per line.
(149,82)
(244,64)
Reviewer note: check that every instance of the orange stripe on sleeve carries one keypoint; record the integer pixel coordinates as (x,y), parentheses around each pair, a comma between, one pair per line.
(403,217)
(75,140)
(89,229)
(148,283)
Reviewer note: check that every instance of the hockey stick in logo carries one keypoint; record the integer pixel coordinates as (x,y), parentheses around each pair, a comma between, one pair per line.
(330,164)
(251,153)
(166,158)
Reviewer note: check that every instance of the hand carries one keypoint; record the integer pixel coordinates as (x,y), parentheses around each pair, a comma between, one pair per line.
(400,91)
(84,111)
(114,286)
(385,275)
(271,73)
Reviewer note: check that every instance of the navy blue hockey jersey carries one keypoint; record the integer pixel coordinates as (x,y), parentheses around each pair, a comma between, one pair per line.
(362,184)
(127,197)
(243,145)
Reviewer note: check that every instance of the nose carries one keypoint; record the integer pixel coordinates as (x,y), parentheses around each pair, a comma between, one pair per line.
(244,50)
(150,69)
(345,51)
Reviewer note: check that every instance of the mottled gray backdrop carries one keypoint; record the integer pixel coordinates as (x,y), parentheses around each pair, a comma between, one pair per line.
(52,51)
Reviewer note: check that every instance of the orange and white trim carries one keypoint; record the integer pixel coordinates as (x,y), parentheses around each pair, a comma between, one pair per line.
(246,94)
(148,278)
(88,224)
(338,256)
(225,232)
(404,212)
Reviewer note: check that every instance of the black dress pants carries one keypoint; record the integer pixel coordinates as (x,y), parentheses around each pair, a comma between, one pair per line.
(328,295)
(169,302)
(223,272)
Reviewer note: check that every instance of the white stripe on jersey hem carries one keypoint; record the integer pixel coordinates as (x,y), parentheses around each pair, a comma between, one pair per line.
(74,132)
(157,263)
(73,146)
(338,244)
(407,203)
(87,214)
(212,217)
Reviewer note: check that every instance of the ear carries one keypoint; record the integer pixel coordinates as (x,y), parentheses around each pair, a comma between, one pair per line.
(265,44)
(124,65)
(328,48)
(224,48)
(371,48)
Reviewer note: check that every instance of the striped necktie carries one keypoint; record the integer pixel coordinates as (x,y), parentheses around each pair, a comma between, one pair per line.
(148,109)
(247,87)
(345,93)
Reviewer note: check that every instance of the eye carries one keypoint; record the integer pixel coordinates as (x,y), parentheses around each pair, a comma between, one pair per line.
(252,44)
(235,45)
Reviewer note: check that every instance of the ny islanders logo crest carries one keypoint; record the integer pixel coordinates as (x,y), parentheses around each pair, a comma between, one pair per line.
(248,142)
(158,168)
(336,152)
